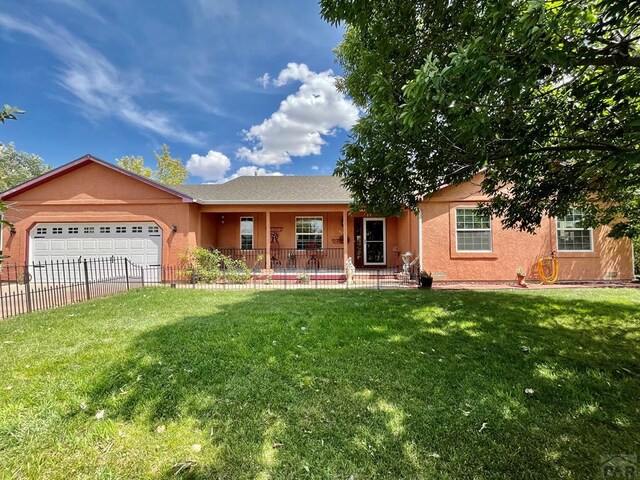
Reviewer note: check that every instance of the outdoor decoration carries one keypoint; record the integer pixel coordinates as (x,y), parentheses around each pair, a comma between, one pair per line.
(426,279)
(520,276)
(351,270)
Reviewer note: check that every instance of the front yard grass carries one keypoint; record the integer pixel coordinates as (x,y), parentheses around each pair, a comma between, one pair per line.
(322,384)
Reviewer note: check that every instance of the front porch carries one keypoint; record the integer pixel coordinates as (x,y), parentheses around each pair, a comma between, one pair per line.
(285,240)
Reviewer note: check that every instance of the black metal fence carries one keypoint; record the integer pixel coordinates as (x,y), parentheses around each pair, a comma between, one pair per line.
(40,286)
(279,278)
(37,287)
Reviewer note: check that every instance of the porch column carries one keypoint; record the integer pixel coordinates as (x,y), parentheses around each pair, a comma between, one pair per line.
(345,240)
(267,236)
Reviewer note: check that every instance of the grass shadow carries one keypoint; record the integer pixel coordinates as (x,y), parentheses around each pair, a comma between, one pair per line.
(389,384)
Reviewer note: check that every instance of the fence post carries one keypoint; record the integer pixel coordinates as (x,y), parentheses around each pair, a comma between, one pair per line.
(142,275)
(27,288)
(86,279)
(126,271)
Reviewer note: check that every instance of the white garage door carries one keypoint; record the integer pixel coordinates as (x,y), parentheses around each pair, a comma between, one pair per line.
(141,243)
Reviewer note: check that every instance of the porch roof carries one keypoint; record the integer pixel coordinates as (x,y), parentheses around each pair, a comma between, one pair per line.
(303,189)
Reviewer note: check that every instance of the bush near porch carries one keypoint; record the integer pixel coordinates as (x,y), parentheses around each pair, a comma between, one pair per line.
(202,265)
(322,384)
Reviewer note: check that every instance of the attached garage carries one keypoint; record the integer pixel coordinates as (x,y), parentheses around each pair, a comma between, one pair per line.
(140,242)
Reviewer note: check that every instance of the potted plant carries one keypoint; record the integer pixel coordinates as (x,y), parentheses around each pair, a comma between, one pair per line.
(520,276)
(426,280)
(303,278)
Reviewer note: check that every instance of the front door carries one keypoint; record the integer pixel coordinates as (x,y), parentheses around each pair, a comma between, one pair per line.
(375,251)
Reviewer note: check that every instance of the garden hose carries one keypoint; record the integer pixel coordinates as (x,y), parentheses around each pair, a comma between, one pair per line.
(553,277)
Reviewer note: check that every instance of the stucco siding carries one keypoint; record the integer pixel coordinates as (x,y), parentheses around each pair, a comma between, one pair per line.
(610,259)
(94,193)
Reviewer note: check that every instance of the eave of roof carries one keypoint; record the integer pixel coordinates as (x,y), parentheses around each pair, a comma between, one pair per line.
(80,162)
(270,202)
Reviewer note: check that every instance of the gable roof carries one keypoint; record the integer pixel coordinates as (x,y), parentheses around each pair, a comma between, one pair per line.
(303,189)
(80,162)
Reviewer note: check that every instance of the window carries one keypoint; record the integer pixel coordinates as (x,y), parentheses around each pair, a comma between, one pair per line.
(308,233)
(105,229)
(72,230)
(136,229)
(121,229)
(56,230)
(473,230)
(41,231)
(153,229)
(246,233)
(571,236)
(89,229)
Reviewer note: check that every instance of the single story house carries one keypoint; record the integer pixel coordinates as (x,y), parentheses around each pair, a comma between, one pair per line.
(91,208)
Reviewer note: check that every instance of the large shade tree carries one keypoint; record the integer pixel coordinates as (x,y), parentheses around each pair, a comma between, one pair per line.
(17,167)
(542,96)
(170,170)
(7,113)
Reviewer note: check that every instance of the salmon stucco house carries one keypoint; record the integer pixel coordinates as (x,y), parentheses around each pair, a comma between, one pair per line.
(91,208)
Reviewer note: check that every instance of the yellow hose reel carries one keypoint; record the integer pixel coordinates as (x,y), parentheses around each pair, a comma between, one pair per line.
(548,269)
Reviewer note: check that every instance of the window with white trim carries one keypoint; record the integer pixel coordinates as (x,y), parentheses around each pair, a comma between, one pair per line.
(121,229)
(136,229)
(572,237)
(105,229)
(473,230)
(72,230)
(88,230)
(309,233)
(56,230)
(246,233)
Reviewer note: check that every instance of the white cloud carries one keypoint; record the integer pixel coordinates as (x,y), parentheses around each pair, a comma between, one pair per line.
(99,86)
(315,167)
(213,166)
(264,80)
(317,109)
(252,170)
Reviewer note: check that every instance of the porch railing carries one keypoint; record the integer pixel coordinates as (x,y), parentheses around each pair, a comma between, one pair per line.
(290,259)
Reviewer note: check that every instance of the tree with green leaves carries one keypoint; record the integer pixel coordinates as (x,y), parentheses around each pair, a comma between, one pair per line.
(543,96)
(17,167)
(135,165)
(9,113)
(170,171)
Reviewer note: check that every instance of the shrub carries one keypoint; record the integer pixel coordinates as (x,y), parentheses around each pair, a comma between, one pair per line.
(201,265)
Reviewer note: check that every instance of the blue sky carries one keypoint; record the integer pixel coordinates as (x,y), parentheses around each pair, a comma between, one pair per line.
(232,86)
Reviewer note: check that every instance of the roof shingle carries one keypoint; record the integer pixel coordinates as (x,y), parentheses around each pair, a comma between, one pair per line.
(270,190)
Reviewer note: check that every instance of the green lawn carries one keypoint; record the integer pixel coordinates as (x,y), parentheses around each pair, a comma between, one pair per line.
(322,384)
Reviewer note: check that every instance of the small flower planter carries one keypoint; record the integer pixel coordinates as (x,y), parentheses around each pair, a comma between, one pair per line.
(426,282)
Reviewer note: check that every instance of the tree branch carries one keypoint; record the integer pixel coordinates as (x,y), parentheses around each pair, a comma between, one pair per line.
(611,61)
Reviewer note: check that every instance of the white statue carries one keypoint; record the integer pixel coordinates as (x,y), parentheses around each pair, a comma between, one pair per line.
(351,270)
(408,263)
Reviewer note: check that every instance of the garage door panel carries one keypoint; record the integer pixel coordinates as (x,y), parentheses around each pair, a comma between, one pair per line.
(105,244)
(57,245)
(41,245)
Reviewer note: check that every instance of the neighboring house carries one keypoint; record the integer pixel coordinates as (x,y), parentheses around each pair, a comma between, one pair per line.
(90,208)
